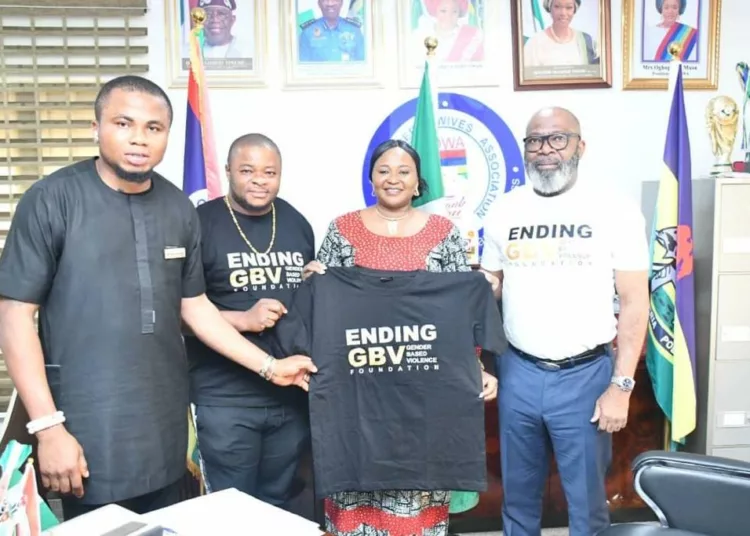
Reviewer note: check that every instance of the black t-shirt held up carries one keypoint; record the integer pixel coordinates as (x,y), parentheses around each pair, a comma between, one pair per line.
(237,278)
(395,403)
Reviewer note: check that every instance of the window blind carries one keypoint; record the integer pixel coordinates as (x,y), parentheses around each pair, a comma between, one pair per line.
(54,56)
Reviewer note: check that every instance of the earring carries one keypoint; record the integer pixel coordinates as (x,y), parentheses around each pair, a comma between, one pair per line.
(416,191)
(96,138)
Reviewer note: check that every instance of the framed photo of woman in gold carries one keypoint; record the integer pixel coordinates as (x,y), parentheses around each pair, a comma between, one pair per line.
(561,44)
(651,27)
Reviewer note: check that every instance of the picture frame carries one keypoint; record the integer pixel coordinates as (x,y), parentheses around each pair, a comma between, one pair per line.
(231,59)
(463,56)
(332,49)
(543,60)
(648,32)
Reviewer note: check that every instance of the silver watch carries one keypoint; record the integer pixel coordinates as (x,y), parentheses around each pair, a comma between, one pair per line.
(623,382)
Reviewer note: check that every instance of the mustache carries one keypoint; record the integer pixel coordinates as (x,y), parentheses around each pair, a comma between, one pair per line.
(546,162)
(552,181)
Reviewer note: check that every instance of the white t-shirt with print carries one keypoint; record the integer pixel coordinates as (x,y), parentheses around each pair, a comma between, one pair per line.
(558,256)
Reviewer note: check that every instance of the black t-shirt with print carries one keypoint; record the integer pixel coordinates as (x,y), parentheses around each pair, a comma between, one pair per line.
(395,403)
(236,278)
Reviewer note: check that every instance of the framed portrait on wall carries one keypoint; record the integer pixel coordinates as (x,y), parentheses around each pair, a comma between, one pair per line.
(650,27)
(465,42)
(561,44)
(331,42)
(234,41)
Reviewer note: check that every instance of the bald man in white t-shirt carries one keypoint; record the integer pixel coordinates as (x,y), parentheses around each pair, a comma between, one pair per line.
(561,248)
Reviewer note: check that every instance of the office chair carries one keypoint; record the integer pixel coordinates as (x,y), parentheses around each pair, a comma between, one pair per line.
(691,495)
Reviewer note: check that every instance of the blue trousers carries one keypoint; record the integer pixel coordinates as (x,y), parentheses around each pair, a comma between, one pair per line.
(542,412)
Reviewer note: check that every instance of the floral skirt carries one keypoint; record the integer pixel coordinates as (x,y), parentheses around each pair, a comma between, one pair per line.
(388,513)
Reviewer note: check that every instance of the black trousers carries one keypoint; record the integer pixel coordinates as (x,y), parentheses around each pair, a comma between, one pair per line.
(142,504)
(255,450)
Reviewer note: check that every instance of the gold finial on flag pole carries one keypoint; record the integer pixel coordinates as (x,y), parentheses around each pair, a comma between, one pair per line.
(431,44)
(675,50)
(198,14)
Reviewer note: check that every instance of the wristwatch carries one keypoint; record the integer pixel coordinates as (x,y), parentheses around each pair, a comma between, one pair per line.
(623,382)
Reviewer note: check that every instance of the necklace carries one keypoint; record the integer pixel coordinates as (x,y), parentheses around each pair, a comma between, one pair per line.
(392,222)
(557,39)
(242,234)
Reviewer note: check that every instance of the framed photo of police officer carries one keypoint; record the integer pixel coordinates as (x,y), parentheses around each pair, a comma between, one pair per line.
(331,42)
(234,41)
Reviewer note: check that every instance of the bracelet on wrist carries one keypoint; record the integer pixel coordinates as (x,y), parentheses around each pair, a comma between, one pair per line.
(43,423)
(266,371)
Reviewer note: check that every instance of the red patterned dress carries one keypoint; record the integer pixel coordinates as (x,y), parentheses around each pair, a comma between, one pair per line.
(438,247)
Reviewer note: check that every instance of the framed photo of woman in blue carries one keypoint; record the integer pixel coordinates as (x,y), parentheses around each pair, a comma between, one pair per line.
(330,42)
(651,27)
(561,44)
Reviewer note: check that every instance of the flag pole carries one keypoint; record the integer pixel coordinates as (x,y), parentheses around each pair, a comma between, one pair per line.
(431,44)
(198,14)
(675,51)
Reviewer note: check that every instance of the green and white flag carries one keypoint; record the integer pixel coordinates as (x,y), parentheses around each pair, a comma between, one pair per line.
(425,141)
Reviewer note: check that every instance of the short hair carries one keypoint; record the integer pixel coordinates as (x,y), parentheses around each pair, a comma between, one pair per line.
(253,139)
(130,83)
(548,5)
(387,145)
(660,6)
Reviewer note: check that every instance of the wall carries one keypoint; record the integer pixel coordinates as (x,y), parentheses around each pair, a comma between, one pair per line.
(324,134)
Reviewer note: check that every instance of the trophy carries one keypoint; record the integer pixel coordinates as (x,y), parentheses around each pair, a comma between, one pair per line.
(722,115)
(743,72)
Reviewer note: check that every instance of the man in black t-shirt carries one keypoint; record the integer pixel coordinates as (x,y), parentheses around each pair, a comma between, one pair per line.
(255,247)
(107,252)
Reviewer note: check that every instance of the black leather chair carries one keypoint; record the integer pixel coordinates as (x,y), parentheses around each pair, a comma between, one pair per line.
(691,495)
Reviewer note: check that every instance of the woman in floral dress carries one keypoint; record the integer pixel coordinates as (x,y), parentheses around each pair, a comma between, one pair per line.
(391,235)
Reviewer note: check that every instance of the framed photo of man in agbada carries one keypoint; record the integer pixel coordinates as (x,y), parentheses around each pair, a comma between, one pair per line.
(651,27)
(234,41)
(561,44)
(331,42)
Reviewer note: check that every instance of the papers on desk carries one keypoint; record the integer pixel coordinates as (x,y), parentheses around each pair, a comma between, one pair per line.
(231,512)
(108,520)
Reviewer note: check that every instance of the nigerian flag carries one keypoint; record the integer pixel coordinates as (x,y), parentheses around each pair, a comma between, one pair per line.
(424,139)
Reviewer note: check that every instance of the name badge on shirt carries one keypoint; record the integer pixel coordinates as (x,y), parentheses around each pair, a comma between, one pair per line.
(174,253)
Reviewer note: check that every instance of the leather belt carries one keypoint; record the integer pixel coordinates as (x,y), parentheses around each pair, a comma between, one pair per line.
(560,364)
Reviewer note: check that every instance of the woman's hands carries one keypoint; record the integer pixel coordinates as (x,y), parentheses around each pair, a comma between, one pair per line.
(489,386)
(492,280)
(313,267)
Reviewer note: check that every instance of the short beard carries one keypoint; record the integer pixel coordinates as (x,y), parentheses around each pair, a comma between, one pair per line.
(555,181)
(136,177)
(247,207)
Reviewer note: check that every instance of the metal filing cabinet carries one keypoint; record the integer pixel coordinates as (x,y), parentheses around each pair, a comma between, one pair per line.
(728,401)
